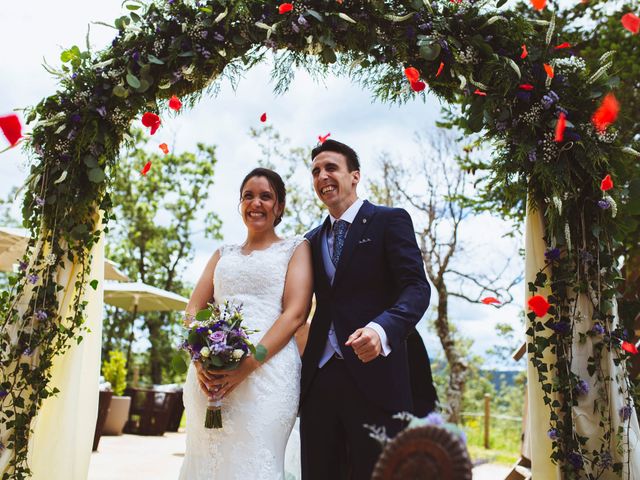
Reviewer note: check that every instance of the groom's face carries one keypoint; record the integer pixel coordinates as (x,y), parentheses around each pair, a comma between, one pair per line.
(334,184)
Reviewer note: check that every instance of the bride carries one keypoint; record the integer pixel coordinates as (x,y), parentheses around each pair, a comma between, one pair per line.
(272,279)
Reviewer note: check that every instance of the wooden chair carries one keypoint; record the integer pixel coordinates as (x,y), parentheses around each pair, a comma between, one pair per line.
(103,408)
(150,411)
(175,417)
(424,453)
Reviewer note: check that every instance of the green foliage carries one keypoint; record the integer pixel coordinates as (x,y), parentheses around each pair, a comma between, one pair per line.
(115,372)
(152,240)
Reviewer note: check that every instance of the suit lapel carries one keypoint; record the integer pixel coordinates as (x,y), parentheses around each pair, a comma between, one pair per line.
(356,230)
(317,247)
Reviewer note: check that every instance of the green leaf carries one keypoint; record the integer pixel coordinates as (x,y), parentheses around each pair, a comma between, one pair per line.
(329,55)
(261,353)
(187,54)
(133,81)
(96,175)
(120,91)
(203,315)
(94,284)
(500,3)
(430,52)
(90,161)
(216,362)
(135,17)
(154,59)
(315,15)
(178,363)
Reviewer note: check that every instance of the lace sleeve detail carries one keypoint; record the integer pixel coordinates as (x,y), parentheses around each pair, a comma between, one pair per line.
(225,249)
(293,243)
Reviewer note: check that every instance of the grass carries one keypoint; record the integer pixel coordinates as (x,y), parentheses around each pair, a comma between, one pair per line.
(504,440)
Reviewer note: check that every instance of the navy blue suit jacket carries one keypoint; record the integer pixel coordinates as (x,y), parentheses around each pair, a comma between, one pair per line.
(380,277)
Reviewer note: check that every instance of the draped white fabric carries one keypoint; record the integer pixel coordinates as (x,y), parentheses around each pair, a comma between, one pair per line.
(585,419)
(60,447)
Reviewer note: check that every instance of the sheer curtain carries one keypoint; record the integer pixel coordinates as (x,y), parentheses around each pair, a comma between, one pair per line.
(584,418)
(60,447)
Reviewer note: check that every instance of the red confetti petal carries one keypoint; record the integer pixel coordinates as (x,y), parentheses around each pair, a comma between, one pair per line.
(560,127)
(480,92)
(562,45)
(539,4)
(263,117)
(526,86)
(629,347)
(164,148)
(524,53)
(151,120)
(323,138)
(631,22)
(418,86)
(539,305)
(11,128)
(490,300)
(606,184)
(175,103)
(607,112)
(549,69)
(146,168)
(412,74)
(440,69)
(285,7)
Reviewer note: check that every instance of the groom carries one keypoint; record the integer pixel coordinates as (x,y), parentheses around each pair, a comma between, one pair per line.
(371,290)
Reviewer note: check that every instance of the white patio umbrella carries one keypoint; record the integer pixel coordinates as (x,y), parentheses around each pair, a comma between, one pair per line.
(139,297)
(13,243)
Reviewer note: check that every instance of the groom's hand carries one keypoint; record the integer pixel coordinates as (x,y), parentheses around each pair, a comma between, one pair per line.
(365,343)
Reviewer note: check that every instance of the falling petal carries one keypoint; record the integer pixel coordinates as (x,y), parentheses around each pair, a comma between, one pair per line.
(418,86)
(165,148)
(11,128)
(562,45)
(524,53)
(285,7)
(539,305)
(263,117)
(561,124)
(146,168)
(412,74)
(175,103)
(480,92)
(539,4)
(549,69)
(490,300)
(440,69)
(607,112)
(323,138)
(631,22)
(606,184)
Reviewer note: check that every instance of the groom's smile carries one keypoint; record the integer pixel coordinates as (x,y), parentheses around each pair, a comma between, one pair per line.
(334,184)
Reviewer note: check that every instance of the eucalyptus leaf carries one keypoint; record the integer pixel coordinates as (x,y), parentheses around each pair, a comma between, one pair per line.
(430,52)
(120,91)
(261,353)
(203,315)
(178,363)
(61,178)
(94,284)
(329,55)
(315,15)
(97,175)
(133,81)
(90,161)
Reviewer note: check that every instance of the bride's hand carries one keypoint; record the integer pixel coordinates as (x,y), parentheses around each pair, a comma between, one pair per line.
(206,379)
(227,380)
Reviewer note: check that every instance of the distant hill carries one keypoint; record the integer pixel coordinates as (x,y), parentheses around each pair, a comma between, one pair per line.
(500,377)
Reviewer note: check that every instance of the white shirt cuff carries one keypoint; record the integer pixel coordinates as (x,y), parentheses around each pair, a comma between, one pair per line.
(386,349)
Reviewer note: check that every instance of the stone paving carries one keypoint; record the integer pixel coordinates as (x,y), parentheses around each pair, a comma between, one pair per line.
(133,457)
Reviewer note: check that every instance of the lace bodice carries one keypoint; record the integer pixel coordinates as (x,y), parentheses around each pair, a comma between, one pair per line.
(259,415)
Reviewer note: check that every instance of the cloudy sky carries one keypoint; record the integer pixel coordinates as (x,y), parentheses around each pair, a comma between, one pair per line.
(41,29)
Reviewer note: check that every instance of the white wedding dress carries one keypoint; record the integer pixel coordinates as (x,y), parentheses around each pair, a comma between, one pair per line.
(259,415)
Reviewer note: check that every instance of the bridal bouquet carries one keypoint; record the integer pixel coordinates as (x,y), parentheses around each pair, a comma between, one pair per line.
(218,340)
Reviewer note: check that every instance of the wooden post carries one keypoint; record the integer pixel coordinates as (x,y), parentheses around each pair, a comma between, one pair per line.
(487,419)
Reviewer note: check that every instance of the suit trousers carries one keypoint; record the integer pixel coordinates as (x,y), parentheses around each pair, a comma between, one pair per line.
(335,443)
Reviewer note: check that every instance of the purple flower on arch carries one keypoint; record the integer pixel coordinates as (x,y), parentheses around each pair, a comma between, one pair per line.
(552,254)
(3,393)
(33,278)
(40,201)
(625,412)
(598,329)
(553,434)
(41,315)
(575,459)
(581,388)
(22,266)
(604,204)
(561,328)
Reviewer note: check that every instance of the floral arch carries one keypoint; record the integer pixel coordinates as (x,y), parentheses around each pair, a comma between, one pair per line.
(513,77)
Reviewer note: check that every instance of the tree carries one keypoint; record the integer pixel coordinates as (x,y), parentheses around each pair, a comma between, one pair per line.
(152,238)
(436,197)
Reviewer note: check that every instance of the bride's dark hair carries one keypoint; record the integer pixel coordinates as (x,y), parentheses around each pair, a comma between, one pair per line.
(276,183)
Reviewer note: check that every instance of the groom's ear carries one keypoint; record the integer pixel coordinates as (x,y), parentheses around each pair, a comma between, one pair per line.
(356,176)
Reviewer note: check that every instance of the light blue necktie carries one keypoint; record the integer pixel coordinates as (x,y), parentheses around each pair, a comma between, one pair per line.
(339,234)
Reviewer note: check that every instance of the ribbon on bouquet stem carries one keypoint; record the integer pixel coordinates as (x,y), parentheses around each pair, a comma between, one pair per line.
(213,418)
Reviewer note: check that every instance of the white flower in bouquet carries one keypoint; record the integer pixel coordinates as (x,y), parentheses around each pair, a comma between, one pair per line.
(237,354)
(205,352)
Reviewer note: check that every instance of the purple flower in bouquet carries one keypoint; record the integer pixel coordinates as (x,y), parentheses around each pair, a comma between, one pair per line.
(434,418)
(218,337)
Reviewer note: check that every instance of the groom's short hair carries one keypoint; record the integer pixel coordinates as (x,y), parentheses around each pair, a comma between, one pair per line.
(353,163)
